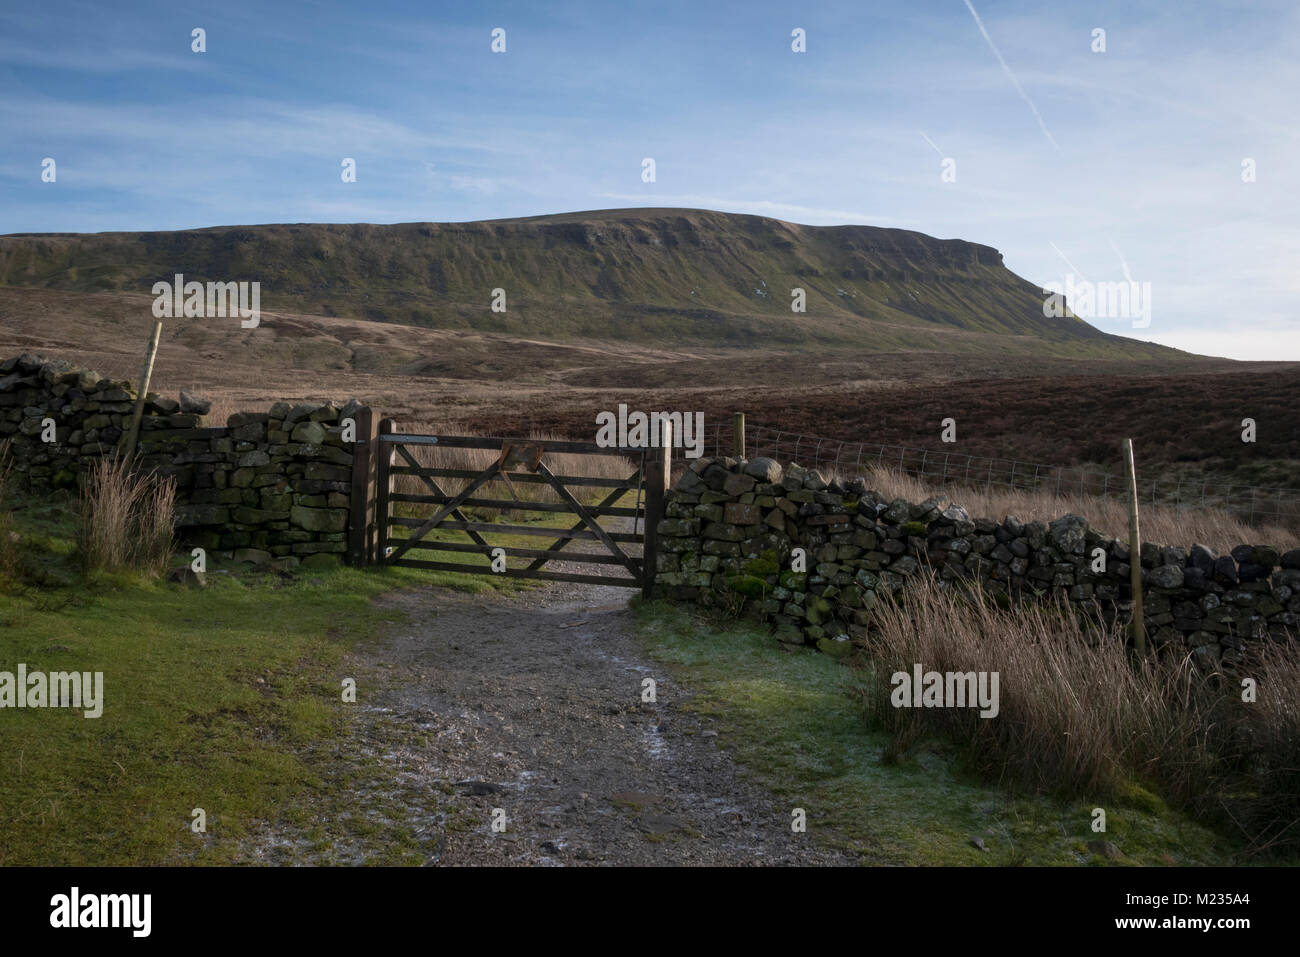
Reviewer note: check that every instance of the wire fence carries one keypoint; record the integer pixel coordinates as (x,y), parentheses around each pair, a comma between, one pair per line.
(945,468)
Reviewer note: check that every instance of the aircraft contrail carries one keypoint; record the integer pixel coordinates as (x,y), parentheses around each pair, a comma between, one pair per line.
(1011,76)
(1122,261)
(1067,262)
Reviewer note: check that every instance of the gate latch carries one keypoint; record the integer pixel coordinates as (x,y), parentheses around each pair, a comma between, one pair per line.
(515,455)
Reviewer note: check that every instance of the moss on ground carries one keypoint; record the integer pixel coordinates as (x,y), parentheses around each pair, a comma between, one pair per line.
(790,718)
(226,698)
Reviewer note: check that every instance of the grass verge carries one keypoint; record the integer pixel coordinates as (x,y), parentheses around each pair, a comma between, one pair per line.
(790,718)
(226,698)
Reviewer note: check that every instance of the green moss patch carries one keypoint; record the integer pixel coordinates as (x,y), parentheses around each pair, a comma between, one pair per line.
(790,718)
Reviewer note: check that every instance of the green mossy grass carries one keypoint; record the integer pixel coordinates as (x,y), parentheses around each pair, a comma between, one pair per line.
(790,718)
(226,698)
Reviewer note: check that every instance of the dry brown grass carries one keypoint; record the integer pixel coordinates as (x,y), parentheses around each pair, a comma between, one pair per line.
(8,538)
(1077,717)
(1271,739)
(1214,528)
(223,407)
(127,519)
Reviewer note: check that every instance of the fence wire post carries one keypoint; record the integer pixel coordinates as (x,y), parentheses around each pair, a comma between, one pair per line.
(1228,497)
(1135,553)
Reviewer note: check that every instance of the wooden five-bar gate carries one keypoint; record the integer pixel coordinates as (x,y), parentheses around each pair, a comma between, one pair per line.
(626,546)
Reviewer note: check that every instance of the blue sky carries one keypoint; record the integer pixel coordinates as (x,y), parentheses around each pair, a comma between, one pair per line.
(1066,160)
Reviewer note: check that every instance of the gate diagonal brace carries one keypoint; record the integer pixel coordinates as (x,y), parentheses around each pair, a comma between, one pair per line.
(631,564)
(559,544)
(452,506)
(437,490)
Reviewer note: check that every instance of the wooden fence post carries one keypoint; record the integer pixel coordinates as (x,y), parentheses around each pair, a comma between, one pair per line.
(659,469)
(361,520)
(133,436)
(1135,553)
(383,455)
(738,435)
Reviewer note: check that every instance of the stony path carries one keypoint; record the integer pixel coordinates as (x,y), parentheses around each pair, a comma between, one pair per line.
(531,703)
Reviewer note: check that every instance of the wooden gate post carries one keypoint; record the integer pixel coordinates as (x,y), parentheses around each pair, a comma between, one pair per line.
(659,470)
(383,455)
(133,434)
(1135,553)
(738,435)
(361,518)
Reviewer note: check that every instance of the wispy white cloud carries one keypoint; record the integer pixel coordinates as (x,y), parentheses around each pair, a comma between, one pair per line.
(476,184)
(1155,128)
(243,126)
(95,58)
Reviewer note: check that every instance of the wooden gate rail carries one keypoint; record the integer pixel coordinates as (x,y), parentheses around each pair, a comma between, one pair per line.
(432,485)
(522,573)
(511,529)
(514,504)
(448,515)
(514,550)
(527,477)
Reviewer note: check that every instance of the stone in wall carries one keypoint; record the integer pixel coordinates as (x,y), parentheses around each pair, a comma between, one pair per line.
(271,486)
(730,527)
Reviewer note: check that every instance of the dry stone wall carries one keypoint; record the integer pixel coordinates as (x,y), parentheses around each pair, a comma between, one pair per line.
(730,529)
(269,487)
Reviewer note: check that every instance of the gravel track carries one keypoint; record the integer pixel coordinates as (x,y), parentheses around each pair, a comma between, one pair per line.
(531,703)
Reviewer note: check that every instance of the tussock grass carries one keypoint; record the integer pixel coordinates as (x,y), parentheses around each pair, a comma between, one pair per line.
(1265,800)
(1078,718)
(790,719)
(1215,528)
(127,519)
(223,407)
(8,537)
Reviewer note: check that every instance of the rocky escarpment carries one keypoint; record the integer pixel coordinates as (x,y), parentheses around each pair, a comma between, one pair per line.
(731,528)
(650,275)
